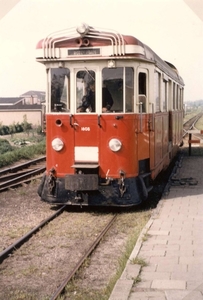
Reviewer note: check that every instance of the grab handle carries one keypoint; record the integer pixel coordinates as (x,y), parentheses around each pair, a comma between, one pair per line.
(99,118)
(71,117)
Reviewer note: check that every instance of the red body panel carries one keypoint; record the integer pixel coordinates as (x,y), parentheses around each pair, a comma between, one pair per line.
(143,136)
(85,131)
(165,141)
(126,159)
(138,143)
(63,160)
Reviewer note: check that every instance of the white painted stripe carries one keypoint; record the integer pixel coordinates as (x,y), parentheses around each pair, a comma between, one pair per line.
(105,51)
(86,154)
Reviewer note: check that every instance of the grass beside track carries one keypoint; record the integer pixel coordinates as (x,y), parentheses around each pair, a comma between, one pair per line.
(130,224)
(19,148)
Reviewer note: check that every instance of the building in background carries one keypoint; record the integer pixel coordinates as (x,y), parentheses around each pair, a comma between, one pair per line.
(31,104)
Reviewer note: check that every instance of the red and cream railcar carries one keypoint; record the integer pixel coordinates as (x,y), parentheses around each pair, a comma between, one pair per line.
(107,152)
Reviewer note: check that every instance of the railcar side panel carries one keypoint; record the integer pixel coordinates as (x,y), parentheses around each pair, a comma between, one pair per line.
(152,145)
(177,119)
(161,144)
(158,138)
(180,127)
(143,136)
(165,141)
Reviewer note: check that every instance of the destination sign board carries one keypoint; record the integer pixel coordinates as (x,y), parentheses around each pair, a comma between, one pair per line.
(94,51)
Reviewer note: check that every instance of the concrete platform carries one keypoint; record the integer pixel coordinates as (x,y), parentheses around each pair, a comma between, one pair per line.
(172,248)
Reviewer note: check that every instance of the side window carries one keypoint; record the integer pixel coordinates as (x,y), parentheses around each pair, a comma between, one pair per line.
(170,93)
(85,91)
(157,91)
(165,95)
(174,95)
(60,90)
(178,97)
(181,98)
(142,88)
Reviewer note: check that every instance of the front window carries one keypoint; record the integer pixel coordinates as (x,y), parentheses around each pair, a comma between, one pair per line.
(118,89)
(85,91)
(60,90)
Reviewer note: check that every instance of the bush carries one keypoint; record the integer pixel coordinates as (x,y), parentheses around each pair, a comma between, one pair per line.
(4,130)
(5,146)
(39,130)
(27,152)
(15,128)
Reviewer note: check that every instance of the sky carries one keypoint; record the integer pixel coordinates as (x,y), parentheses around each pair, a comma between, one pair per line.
(170,27)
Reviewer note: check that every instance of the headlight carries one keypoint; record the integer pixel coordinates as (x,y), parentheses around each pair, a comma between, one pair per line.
(57,144)
(115,145)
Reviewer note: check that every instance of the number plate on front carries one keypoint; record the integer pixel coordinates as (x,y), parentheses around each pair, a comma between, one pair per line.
(81,182)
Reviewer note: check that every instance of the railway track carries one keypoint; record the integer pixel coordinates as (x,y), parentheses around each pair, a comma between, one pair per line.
(88,251)
(190,124)
(18,171)
(91,248)
(8,251)
(22,173)
(191,134)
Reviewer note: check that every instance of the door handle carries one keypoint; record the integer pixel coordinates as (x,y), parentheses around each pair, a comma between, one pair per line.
(99,118)
(71,117)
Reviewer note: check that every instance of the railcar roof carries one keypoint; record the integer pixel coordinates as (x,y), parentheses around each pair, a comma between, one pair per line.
(113,44)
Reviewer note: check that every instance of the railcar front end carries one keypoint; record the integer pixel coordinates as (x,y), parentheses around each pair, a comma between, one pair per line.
(103,123)
(92,160)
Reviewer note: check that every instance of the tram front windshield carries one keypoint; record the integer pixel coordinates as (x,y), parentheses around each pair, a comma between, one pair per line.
(116,94)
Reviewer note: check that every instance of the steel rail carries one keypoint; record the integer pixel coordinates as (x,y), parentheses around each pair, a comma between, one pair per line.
(14,175)
(21,179)
(83,258)
(23,165)
(4,254)
(189,124)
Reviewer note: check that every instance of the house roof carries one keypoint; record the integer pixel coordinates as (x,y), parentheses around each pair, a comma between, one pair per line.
(10,100)
(21,107)
(39,94)
(15,100)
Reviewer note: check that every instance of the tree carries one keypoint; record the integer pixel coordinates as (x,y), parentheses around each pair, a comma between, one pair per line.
(12,129)
(26,126)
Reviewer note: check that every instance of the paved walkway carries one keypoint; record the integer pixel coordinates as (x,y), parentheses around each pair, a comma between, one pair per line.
(171,244)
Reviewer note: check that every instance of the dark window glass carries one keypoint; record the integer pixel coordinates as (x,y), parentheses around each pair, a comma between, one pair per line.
(60,90)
